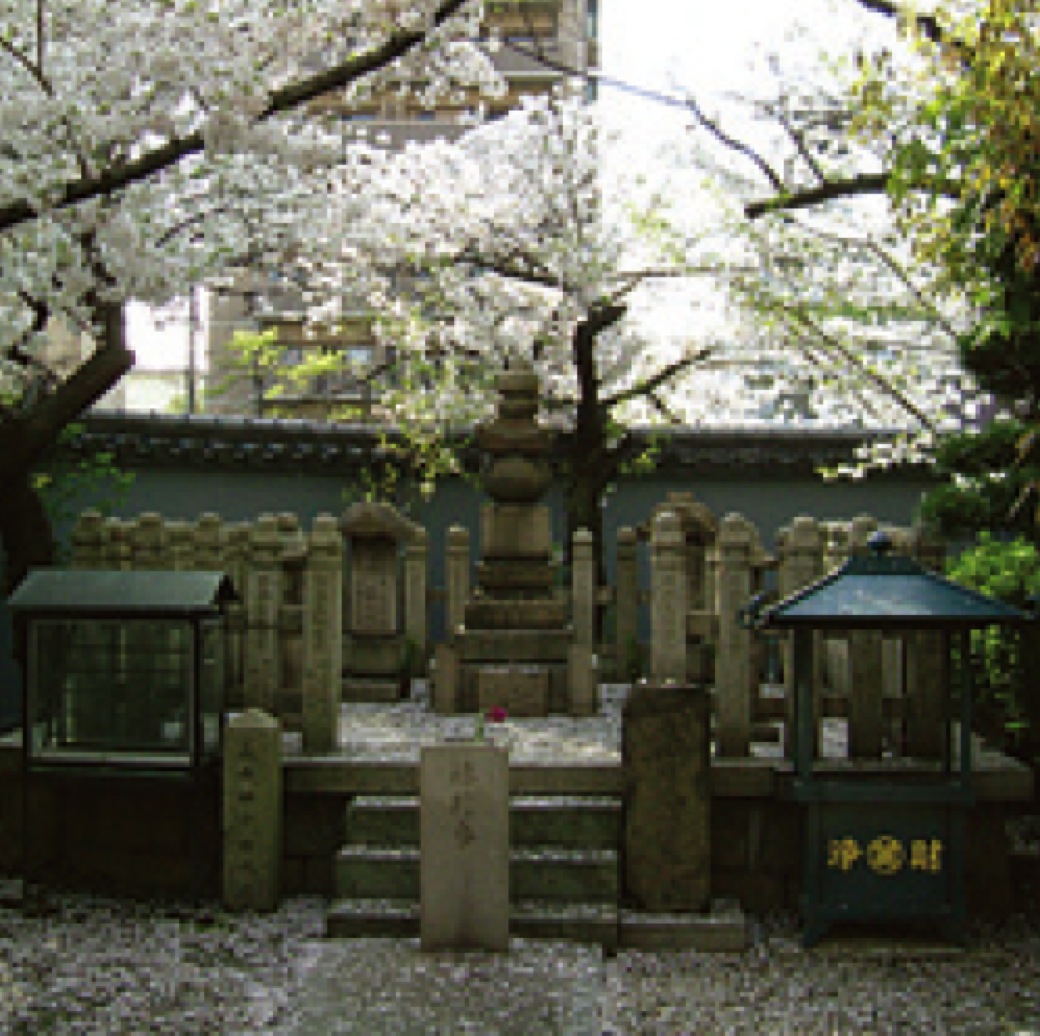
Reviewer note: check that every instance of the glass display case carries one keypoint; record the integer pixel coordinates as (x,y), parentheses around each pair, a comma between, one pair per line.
(123,668)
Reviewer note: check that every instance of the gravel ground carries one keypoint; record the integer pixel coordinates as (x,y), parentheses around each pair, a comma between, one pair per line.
(88,965)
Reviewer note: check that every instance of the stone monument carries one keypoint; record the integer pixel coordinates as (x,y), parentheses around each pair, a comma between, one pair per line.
(376,660)
(464,839)
(513,647)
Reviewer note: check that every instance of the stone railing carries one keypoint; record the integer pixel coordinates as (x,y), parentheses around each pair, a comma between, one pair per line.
(702,579)
(290,632)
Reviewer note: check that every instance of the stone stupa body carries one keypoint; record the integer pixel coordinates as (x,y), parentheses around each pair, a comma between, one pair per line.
(513,649)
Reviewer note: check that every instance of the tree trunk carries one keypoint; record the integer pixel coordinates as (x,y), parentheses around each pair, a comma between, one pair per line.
(25,533)
(25,439)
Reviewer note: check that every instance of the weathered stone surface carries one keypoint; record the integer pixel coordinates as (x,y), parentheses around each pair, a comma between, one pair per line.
(669,600)
(373,586)
(516,645)
(252,812)
(665,757)
(582,681)
(457,578)
(520,690)
(445,679)
(374,656)
(322,644)
(485,614)
(464,832)
(515,530)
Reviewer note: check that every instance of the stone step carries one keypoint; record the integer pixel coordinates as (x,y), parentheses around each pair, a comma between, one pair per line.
(590,822)
(529,919)
(535,872)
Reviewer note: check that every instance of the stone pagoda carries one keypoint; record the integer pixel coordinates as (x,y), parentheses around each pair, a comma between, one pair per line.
(514,648)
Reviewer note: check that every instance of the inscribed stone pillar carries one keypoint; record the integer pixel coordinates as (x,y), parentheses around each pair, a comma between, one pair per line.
(927,667)
(252,820)
(668,600)
(464,840)
(583,589)
(626,605)
(866,667)
(457,577)
(88,539)
(263,602)
(415,573)
(322,641)
(734,673)
(665,754)
(209,544)
(148,542)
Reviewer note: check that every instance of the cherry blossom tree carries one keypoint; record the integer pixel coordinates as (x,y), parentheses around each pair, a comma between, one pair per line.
(514,245)
(146,144)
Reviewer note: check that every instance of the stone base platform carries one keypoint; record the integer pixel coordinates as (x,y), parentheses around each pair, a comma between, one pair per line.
(723,929)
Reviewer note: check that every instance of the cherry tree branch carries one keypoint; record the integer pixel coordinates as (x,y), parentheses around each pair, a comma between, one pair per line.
(648,388)
(284,100)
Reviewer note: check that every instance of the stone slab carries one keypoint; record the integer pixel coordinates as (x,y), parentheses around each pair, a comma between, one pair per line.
(374,655)
(464,838)
(514,645)
(490,614)
(520,690)
(515,530)
(376,691)
(557,699)
(723,929)
(666,761)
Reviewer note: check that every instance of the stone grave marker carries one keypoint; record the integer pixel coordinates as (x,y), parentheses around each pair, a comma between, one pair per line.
(464,837)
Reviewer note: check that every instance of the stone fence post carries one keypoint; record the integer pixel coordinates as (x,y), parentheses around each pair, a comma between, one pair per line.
(88,539)
(626,605)
(457,578)
(735,678)
(583,589)
(263,595)
(415,612)
(148,542)
(669,603)
(116,546)
(252,823)
(322,636)
(179,545)
(209,544)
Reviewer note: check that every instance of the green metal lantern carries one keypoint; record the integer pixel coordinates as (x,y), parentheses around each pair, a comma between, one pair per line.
(882,845)
(123,670)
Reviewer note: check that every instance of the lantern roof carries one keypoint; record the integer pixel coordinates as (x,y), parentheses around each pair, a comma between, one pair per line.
(880,590)
(80,591)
